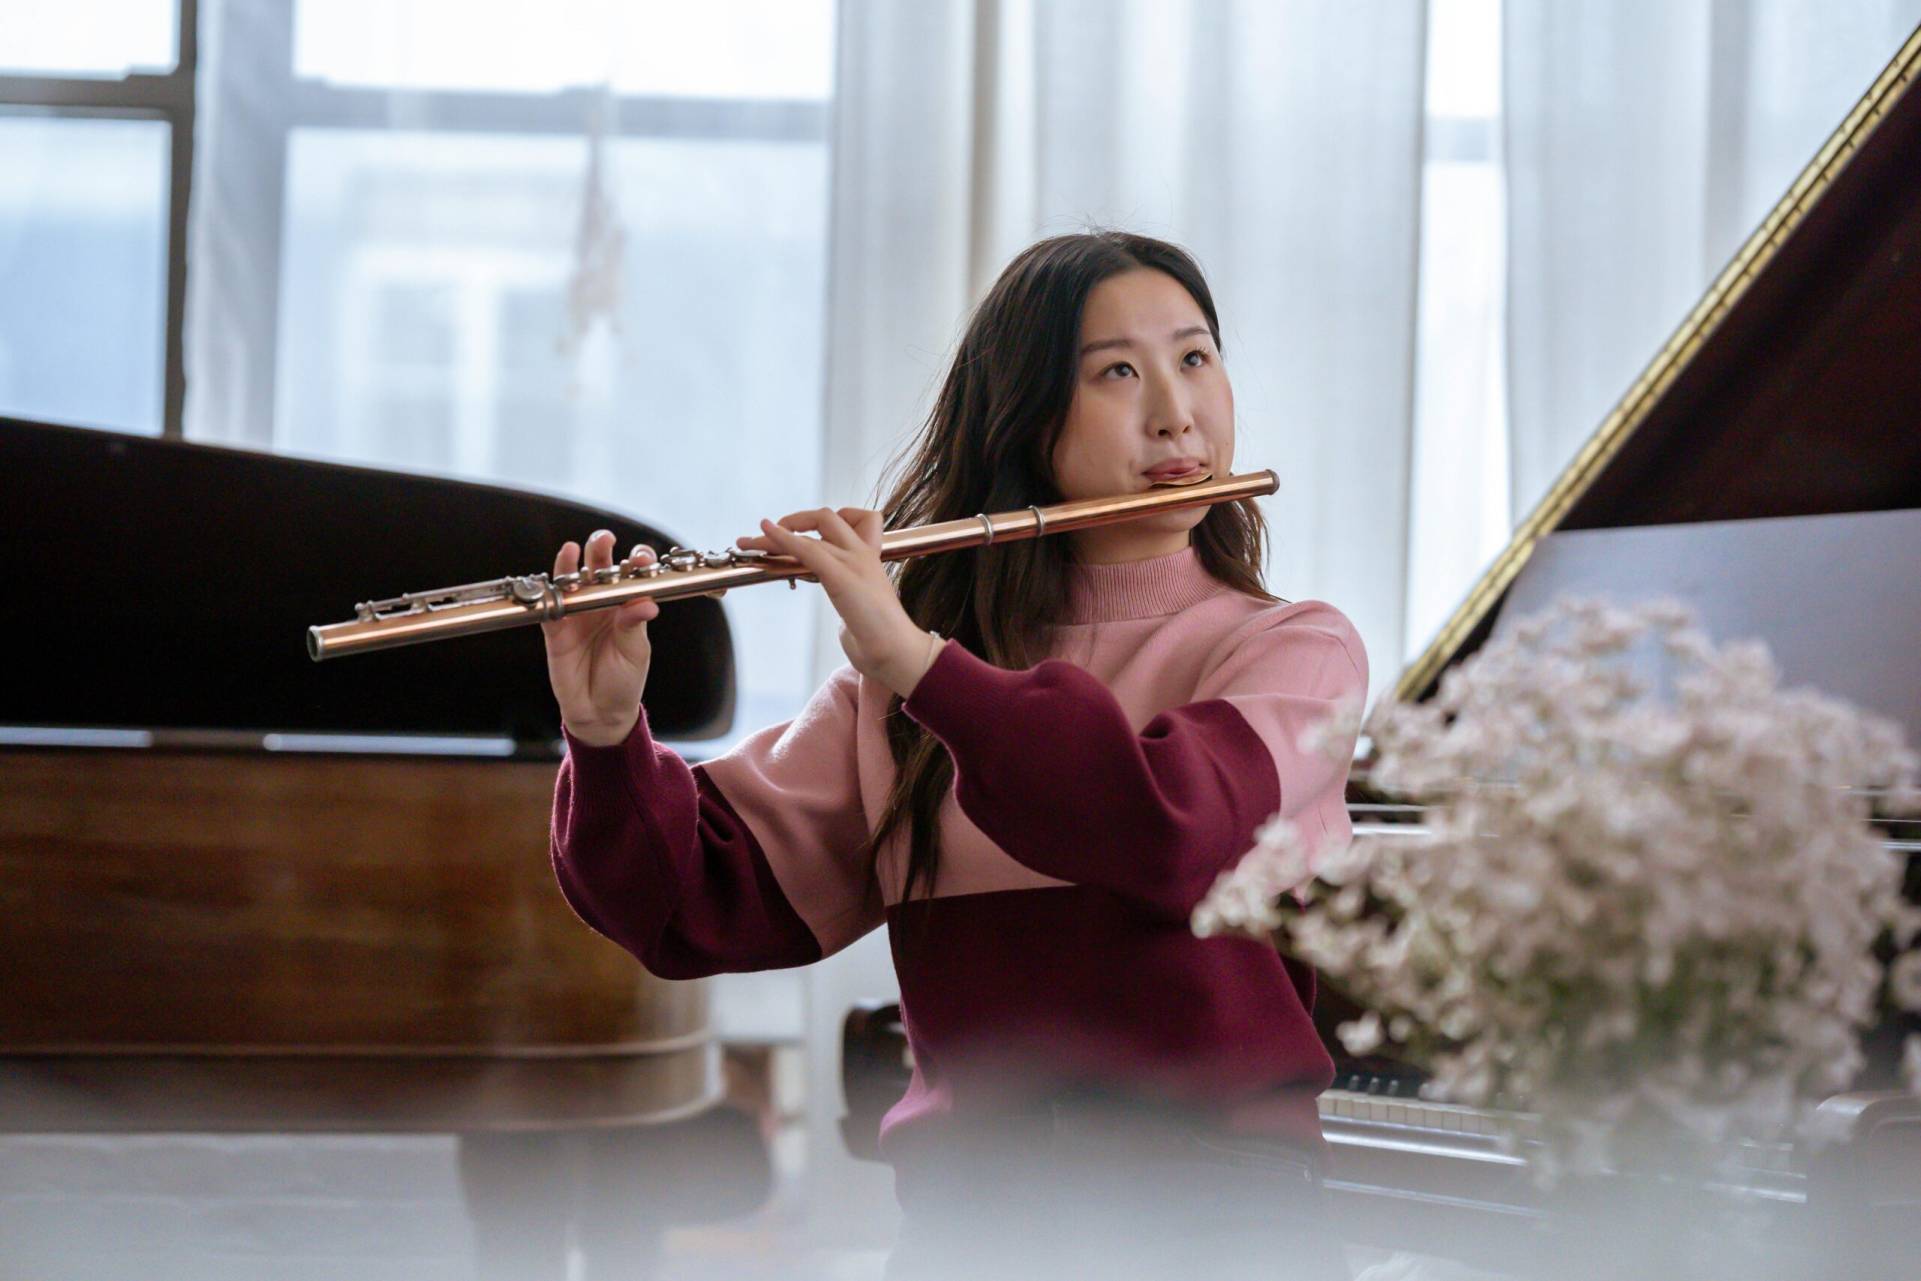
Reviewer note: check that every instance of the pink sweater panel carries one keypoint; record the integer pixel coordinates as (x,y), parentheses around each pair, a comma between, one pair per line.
(1098,794)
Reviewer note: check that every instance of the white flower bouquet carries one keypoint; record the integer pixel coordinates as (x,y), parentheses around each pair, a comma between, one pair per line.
(1638,906)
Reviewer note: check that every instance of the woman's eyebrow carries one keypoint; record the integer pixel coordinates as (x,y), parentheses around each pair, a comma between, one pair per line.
(1176,336)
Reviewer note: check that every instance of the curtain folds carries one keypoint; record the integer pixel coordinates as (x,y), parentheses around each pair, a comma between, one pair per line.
(1280,142)
(1645,139)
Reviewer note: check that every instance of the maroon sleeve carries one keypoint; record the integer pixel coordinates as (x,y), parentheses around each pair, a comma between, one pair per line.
(1049,767)
(649,853)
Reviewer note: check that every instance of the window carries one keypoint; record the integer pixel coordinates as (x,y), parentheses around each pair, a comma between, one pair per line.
(83,270)
(95,112)
(579,249)
(1459,516)
(734,49)
(583,254)
(107,39)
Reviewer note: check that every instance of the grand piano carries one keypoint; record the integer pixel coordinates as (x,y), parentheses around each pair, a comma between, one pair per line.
(246,892)
(1790,393)
(1789,397)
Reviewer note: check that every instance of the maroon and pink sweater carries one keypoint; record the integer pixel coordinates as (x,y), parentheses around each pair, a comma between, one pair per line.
(1097,795)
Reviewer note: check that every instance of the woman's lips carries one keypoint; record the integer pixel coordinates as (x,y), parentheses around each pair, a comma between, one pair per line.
(1192,476)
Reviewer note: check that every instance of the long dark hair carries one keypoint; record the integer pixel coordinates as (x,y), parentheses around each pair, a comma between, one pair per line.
(988,445)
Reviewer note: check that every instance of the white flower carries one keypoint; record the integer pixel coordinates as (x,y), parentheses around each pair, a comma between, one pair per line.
(1632,900)
(1363,1036)
(1904,981)
(1243,899)
(1333,737)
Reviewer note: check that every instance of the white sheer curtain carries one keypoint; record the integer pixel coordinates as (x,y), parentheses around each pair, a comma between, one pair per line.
(585,254)
(1645,140)
(1278,141)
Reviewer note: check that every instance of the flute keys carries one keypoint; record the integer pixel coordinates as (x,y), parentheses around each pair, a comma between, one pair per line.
(468,609)
(632,568)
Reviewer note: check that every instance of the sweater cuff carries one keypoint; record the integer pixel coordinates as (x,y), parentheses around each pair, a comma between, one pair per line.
(952,692)
(637,746)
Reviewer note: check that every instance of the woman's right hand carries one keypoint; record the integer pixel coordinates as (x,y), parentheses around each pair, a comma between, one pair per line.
(597,660)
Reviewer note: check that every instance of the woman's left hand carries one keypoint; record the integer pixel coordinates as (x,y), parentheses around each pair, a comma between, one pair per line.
(881,641)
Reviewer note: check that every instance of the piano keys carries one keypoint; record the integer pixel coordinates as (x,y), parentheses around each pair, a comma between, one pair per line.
(1408,1172)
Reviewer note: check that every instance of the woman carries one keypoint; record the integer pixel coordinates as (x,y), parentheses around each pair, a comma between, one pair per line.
(1037,760)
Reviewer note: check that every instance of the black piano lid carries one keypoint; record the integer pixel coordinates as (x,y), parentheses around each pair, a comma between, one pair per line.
(168,585)
(1793,388)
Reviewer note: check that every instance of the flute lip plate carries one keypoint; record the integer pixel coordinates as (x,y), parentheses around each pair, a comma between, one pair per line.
(1196,479)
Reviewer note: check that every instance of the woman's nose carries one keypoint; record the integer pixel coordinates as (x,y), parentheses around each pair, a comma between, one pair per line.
(1168,413)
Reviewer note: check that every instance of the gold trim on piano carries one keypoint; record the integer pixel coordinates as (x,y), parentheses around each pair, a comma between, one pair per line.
(1633,408)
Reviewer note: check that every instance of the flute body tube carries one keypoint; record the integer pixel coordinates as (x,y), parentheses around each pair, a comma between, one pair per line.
(500,603)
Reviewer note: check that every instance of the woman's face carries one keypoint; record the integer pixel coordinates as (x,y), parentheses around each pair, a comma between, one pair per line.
(1149,391)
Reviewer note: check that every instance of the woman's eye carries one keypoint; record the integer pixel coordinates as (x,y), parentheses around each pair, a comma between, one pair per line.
(1122,365)
(1192,354)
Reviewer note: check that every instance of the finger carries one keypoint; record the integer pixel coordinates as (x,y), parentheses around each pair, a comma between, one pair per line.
(806,521)
(865,522)
(834,529)
(636,613)
(808,551)
(566,561)
(600,549)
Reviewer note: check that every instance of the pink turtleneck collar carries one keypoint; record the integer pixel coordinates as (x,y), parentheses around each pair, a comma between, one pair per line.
(1139,588)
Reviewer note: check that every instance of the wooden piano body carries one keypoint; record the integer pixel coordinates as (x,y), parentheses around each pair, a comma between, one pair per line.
(1793,389)
(273,894)
(246,892)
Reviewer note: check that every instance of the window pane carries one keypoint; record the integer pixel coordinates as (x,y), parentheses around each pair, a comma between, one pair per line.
(425,324)
(83,270)
(88,37)
(719,48)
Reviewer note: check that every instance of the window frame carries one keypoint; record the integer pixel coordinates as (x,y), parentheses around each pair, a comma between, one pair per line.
(166,96)
(310,103)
